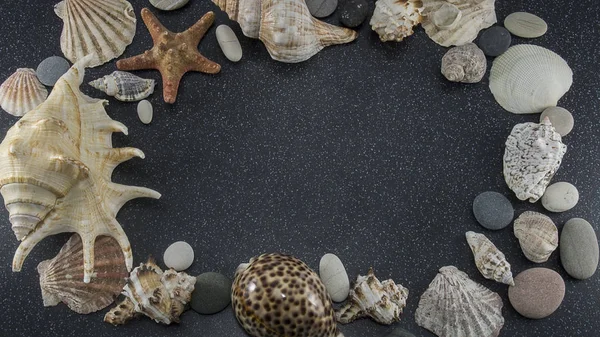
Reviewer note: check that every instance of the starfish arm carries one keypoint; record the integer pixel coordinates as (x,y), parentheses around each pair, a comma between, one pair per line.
(170,85)
(196,32)
(142,61)
(204,65)
(154,26)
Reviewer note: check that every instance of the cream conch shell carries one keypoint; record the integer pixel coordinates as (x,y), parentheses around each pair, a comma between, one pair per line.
(490,261)
(124,86)
(394,20)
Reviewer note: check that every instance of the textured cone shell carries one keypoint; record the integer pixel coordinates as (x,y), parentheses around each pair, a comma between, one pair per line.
(61,277)
(537,234)
(103,28)
(27,205)
(22,92)
(124,86)
(394,20)
(490,261)
(528,79)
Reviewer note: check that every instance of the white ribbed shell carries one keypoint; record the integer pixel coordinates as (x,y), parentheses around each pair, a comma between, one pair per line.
(394,20)
(22,92)
(537,234)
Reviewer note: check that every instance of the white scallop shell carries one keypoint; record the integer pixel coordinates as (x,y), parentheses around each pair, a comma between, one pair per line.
(537,234)
(490,261)
(22,92)
(528,79)
(394,20)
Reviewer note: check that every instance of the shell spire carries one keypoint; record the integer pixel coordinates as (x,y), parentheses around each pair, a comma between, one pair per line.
(490,261)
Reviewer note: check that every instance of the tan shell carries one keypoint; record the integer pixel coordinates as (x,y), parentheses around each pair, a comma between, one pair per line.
(490,261)
(394,20)
(537,234)
(466,63)
(22,92)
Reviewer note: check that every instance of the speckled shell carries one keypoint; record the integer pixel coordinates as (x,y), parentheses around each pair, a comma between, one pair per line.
(278,295)
(453,305)
(381,301)
(465,64)
(124,86)
(490,261)
(22,92)
(61,277)
(532,156)
(394,20)
(537,234)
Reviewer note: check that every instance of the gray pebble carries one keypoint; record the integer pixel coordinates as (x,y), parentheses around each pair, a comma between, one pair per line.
(494,41)
(493,210)
(145,111)
(537,292)
(561,119)
(399,332)
(525,25)
(560,197)
(51,69)
(353,12)
(168,5)
(579,249)
(179,256)
(321,8)
(334,277)
(211,294)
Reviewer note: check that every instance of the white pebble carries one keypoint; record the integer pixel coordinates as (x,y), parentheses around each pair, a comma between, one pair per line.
(229,43)
(179,256)
(334,277)
(144,110)
(561,119)
(560,197)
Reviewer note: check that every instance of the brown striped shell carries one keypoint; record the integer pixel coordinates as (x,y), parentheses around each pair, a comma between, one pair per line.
(22,92)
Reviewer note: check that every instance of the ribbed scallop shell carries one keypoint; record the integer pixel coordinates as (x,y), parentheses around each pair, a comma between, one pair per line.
(490,261)
(528,79)
(394,20)
(22,92)
(465,63)
(537,234)
(124,86)
(103,28)
(453,305)
(61,277)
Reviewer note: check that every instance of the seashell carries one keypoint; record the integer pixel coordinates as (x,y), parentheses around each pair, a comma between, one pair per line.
(490,261)
(162,296)
(528,79)
(60,278)
(457,22)
(286,27)
(394,20)
(464,63)
(124,86)
(537,234)
(103,28)
(283,286)
(381,301)
(22,92)
(454,305)
(532,156)
(55,168)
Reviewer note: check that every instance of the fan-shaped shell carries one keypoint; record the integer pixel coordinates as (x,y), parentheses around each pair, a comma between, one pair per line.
(103,28)
(490,261)
(124,86)
(537,234)
(394,20)
(22,92)
(528,79)
(453,305)
(465,64)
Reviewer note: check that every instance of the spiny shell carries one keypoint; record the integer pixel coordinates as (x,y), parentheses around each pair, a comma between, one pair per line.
(22,92)
(532,156)
(278,295)
(124,86)
(465,64)
(453,305)
(490,261)
(61,277)
(456,22)
(394,20)
(537,234)
(528,79)
(381,301)
(103,28)
(55,169)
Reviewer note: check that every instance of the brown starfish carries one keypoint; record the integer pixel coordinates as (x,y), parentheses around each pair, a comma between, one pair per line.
(173,54)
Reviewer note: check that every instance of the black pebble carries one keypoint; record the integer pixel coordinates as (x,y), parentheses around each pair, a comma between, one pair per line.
(494,41)
(353,12)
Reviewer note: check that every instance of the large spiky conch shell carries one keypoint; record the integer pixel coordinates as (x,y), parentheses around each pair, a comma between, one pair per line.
(55,169)
(285,27)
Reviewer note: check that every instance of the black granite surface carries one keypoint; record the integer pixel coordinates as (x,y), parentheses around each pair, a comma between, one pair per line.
(365,151)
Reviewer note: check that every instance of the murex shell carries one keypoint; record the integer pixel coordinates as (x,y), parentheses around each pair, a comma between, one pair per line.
(61,277)
(382,301)
(22,92)
(103,28)
(537,234)
(453,305)
(277,295)
(490,261)
(286,27)
(124,86)
(532,156)
(464,63)
(394,20)
(55,169)
(528,79)
(162,296)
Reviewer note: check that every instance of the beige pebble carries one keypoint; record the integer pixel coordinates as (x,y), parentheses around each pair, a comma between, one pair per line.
(229,43)
(561,119)
(144,110)
(525,25)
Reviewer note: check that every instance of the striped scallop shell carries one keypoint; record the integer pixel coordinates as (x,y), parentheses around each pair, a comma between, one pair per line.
(99,27)
(22,92)
(528,79)
(537,234)
(61,279)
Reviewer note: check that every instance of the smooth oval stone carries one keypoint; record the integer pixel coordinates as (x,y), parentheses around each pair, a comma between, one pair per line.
(561,119)
(51,69)
(212,293)
(145,111)
(560,197)
(353,12)
(579,249)
(334,277)
(399,332)
(526,25)
(494,41)
(179,256)
(321,8)
(168,5)
(537,292)
(493,210)
(229,43)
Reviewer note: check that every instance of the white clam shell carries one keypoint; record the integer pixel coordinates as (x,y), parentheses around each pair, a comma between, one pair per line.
(394,20)
(537,234)
(490,261)
(22,92)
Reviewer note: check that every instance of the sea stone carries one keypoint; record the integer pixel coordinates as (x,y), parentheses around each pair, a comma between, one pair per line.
(525,25)
(168,5)
(561,119)
(579,249)
(321,8)
(145,111)
(334,276)
(399,332)
(179,256)
(212,293)
(560,197)
(51,69)
(492,210)
(353,12)
(537,292)
(494,41)
(229,43)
